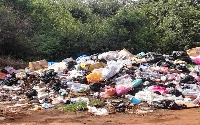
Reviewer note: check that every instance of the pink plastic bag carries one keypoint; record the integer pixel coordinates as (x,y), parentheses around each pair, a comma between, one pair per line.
(120,90)
(164,69)
(196,77)
(196,60)
(160,89)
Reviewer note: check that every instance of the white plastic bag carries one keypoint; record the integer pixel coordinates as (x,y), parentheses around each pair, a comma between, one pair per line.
(99,111)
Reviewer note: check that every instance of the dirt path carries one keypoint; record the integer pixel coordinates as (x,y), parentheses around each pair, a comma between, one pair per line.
(56,117)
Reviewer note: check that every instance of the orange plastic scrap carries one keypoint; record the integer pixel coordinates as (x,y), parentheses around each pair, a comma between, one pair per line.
(110,91)
(2,75)
(95,76)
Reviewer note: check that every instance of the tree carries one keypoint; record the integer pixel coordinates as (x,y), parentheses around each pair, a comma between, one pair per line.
(15,32)
(176,22)
(131,30)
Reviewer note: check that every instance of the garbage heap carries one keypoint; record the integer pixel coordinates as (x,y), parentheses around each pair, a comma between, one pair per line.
(122,81)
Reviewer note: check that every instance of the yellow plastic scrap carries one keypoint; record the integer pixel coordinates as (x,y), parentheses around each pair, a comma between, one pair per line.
(37,108)
(96,66)
(137,60)
(83,66)
(179,62)
(91,67)
(94,77)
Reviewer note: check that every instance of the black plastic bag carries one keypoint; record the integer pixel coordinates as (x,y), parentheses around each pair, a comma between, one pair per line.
(31,93)
(71,65)
(96,86)
(47,76)
(153,57)
(181,55)
(168,104)
(188,79)
(10,81)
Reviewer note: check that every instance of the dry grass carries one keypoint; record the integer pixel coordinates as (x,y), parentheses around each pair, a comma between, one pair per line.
(16,64)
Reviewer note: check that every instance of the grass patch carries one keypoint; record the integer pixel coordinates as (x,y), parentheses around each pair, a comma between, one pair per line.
(81,106)
(75,107)
(96,103)
(190,65)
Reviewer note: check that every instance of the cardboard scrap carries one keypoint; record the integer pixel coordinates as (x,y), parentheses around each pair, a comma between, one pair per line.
(2,75)
(41,64)
(194,52)
(126,52)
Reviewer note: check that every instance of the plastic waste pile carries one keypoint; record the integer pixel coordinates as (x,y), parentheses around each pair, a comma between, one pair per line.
(122,80)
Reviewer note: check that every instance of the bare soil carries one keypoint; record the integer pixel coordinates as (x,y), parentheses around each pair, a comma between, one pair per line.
(57,117)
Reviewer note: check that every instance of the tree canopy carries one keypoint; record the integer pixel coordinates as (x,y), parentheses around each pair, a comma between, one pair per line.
(57,29)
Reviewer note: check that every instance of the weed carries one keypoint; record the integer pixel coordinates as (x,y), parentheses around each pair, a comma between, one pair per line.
(75,107)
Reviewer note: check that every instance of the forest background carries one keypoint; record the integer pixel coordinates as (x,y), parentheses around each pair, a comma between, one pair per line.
(57,29)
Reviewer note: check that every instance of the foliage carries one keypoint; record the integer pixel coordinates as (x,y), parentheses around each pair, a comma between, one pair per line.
(96,103)
(132,31)
(82,105)
(176,22)
(57,29)
(15,33)
(105,8)
(75,107)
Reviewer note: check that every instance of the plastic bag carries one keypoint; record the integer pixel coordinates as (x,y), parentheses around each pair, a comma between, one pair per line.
(77,87)
(161,90)
(111,55)
(137,82)
(135,101)
(120,90)
(95,76)
(110,91)
(97,111)
(124,80)
(58,67)
(96,86)
(109,71)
